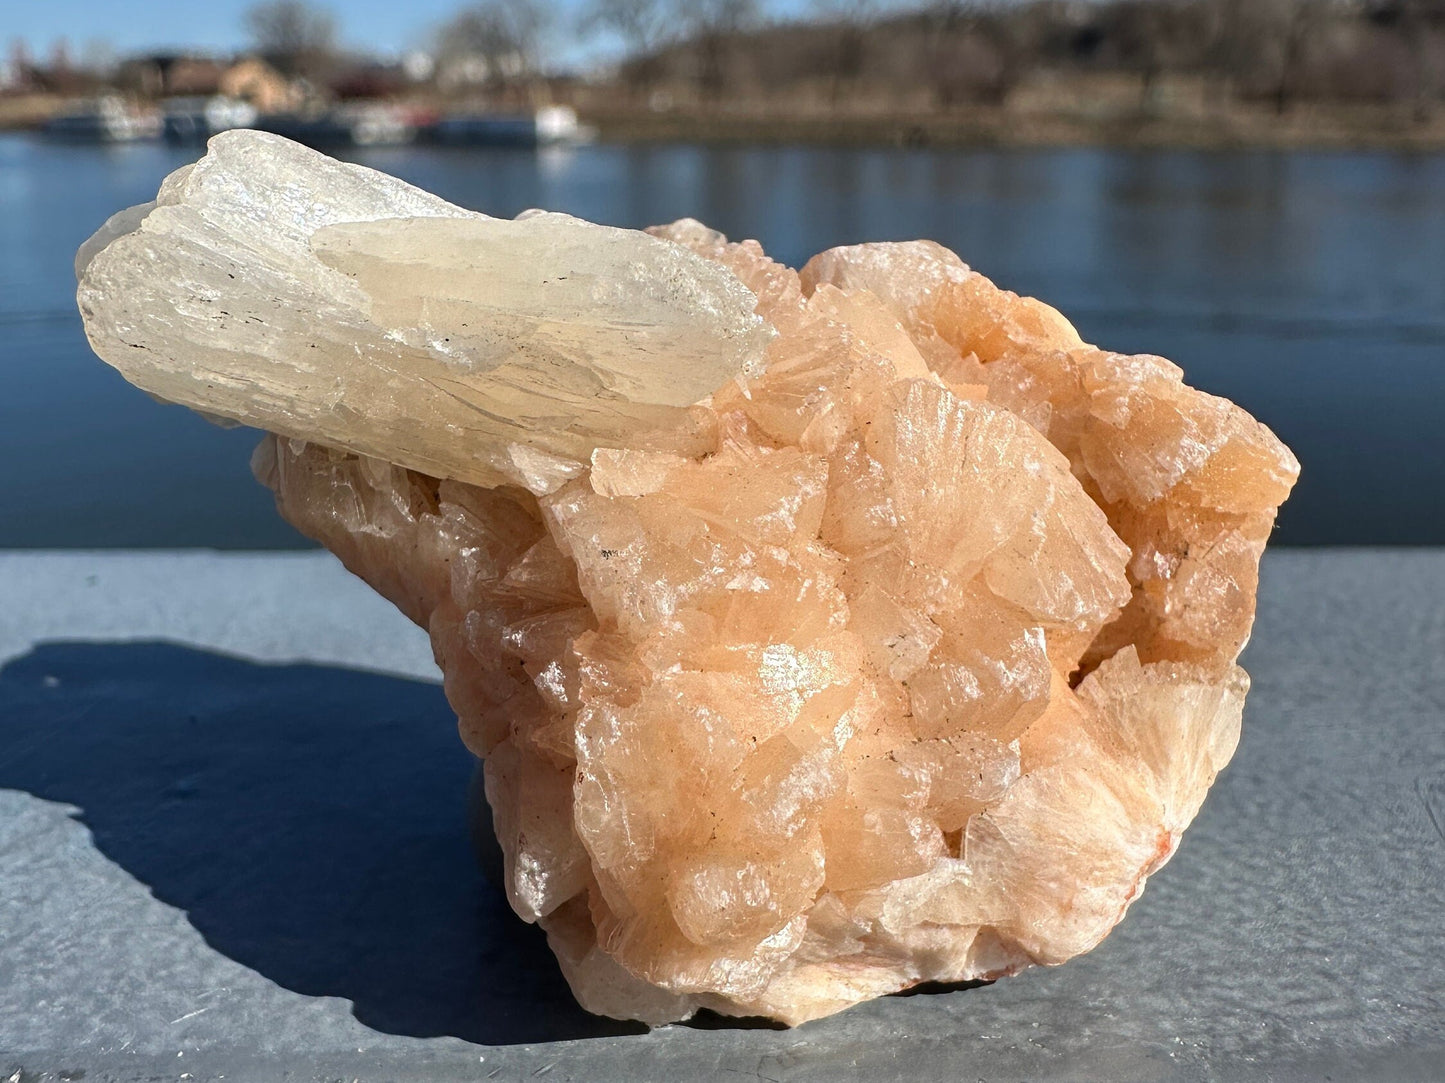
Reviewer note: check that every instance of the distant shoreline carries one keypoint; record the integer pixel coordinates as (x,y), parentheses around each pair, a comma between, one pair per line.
(997,127)
(1306,127)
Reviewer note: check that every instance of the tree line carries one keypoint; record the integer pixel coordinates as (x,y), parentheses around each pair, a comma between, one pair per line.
(940,53)
(952,53)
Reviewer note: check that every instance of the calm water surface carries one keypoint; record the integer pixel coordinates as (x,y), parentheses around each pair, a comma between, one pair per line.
(1308,287)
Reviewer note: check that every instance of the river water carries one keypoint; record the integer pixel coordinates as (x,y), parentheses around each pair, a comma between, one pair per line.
(1308,287)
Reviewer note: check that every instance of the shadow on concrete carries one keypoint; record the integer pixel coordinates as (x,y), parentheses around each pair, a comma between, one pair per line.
(310,821)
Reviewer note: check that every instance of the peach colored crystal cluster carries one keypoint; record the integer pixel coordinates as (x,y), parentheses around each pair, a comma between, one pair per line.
(904,655)
(906,659)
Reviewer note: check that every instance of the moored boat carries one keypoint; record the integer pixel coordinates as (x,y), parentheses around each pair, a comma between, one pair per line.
(194,120)
(349,126)
(104,120)
(547,126)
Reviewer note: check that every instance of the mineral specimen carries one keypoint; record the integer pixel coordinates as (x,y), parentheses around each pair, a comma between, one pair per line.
(823,634)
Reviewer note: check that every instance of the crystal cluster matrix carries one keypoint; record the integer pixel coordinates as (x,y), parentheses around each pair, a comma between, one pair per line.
(823,632)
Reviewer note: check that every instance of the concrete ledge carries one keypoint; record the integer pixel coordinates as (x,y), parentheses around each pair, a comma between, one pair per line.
(232,844)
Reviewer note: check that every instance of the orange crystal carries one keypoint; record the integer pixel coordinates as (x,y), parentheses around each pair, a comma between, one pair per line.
(906,659)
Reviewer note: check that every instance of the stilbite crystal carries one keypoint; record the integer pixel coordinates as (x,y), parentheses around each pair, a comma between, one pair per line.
(276,287)
(823,634)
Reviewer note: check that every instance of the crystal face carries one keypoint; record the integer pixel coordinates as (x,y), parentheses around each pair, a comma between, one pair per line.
(280,288)
(822,633)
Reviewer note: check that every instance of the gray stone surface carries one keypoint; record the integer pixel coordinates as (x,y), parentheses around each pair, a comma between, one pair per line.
(232,846)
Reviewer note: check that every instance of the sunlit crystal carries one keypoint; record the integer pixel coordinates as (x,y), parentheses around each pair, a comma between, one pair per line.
(822,634)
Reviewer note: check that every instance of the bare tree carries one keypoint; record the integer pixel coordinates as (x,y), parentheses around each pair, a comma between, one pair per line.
(952,24)
(1148,36)
(1225,47)
(851,21)
(978,49)
(1291,24)
(1261,46)
(297,37)
(714,24)
(505,38)
(645,27)
(728,16)
(953,14)
(528,24)
(1416,19)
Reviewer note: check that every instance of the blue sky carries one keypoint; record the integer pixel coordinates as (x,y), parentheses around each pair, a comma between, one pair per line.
(377,25)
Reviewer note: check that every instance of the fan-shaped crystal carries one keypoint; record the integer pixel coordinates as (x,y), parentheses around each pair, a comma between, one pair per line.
(822,634)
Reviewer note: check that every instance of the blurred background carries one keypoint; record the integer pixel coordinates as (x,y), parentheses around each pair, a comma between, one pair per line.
(1252,188)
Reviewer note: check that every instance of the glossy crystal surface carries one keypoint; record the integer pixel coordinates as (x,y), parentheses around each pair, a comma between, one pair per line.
(903,651)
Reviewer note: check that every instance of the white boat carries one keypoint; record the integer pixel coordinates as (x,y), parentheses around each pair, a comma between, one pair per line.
(194,120)
(346,126)
(377,125)
(551,125)
(558,124)
(105,120)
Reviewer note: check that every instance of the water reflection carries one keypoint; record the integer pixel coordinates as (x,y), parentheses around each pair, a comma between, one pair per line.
(1279,280)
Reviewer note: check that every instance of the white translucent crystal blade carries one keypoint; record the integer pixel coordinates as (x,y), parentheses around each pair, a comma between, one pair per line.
(280,288)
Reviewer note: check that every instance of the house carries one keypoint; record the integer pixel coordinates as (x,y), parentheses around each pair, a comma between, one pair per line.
(166,75)
(252,80)
(179,75)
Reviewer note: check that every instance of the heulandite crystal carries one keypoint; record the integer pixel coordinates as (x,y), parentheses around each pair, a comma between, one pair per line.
(822,633)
